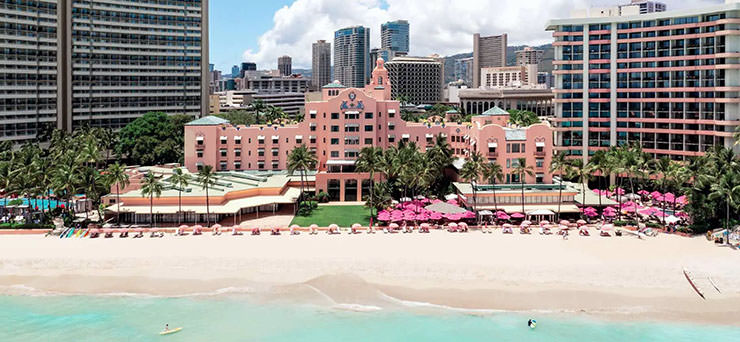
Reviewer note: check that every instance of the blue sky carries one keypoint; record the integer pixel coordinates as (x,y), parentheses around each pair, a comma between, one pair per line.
(235,26)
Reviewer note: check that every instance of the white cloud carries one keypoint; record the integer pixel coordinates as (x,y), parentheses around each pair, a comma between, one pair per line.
(444,27)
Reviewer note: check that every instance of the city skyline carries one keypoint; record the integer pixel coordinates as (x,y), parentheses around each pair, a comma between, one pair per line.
(289,31)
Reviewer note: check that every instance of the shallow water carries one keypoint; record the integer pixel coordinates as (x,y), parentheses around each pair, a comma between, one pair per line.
(236,317)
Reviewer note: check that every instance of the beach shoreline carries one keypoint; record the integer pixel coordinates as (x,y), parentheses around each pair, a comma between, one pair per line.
(613,278)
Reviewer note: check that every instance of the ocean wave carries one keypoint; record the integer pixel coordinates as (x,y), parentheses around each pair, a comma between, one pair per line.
(25,290)
(356,307)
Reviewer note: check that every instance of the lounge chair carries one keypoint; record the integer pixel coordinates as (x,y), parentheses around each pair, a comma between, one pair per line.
(275,231)
(508,230)
(584,232)
(605,234)
(108,235)
(256,231)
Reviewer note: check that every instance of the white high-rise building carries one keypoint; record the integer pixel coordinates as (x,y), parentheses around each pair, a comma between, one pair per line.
(321,64)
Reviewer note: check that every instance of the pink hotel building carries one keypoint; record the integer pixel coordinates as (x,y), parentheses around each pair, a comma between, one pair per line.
(668,81)
(348,119)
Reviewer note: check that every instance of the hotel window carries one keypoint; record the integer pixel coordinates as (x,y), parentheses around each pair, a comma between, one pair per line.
(335,116)
(261,152)
(261,165)
(224,140)
(540,179)
(523,145)
(335,128)
(312,139)
(223,152)
(368,141)
(508,163)
(391,114)
(334,154)
(275,165)
(199,166)
(223,166)
(351,140)
(275,139)
(391,138)
(540,163)
(368,115)
(237,165)
(351,128)
(391,126)
(199,153)
(313,128)
(275,152)
(351,154)
(238,140)
(368,128)
(335,141)
(380,115)
(313,115)
(298,140)
(260,140)
(199,140)
(351,116)
(540,149)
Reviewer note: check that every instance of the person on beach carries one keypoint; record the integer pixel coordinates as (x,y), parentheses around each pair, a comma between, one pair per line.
(166,327)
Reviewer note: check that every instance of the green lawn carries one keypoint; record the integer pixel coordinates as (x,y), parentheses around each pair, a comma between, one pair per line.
(342,215)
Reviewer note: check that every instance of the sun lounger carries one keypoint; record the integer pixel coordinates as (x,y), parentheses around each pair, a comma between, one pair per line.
(256,231)
(605,234)
(584,232)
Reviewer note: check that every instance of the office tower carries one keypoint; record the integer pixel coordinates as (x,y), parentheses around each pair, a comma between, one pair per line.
(529,56)
(645,6)
(660,80)
(420,79)
(285,65)
(211,67)
(74,64)
(235,71)
(464,70)
(487,52)
(394,36)
(247,66)
(320,64)
(352,56)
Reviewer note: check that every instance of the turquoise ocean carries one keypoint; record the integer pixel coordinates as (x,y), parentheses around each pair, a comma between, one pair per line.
(241,318)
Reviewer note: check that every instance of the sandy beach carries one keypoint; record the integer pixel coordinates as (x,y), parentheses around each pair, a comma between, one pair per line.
(621,278)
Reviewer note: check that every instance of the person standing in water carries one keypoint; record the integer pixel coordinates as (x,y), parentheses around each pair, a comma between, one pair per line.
(167,327)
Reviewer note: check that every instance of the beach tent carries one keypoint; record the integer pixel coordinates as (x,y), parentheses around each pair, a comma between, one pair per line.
(451,197)
(445,208)
(540,212)
(670,219)
(485,213)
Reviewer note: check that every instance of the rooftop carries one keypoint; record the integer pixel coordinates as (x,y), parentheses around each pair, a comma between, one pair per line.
(208,121)
(495,111)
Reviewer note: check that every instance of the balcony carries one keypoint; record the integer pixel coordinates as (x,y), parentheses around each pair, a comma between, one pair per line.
(492,154)
(539,153)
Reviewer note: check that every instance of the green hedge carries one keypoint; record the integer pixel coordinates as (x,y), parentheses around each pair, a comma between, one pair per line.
(26,226)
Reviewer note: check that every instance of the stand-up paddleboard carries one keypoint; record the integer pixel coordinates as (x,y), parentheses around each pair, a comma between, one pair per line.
(71,231)
(714,285)
(64,233)
(87,232)
(693,285)
(170,332)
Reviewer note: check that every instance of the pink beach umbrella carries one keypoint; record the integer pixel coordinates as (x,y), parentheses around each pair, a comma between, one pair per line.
(669,197)
(643,193)
(648,211)
(655,194)
(435,216)
(619,191)
(517,215)
(502,215)
(469,214)
(591,213)
(609,214)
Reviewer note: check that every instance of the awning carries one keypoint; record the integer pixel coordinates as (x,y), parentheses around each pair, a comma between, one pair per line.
(540,212)
(199,138)
(223,137)
(540,144)
(430,135)
(351,112)
(351,125)
(312,112)
(275,137)
(492,144)
(275,149)
(298,137)
(260,137)
(238,137)
(312,124)
(340,162)
(391,111)
(405,136)
(312,137)
(517,208)
(391,136)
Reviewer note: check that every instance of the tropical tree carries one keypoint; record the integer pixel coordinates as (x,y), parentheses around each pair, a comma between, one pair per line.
(180,180)
(117,175)
(440,157)
(207,178)
(494,172)
(582,173)
(471,172)
(151,187)
(301,159)
(7,177)
(369,161)
(560,165)
(522,170)
(65,180)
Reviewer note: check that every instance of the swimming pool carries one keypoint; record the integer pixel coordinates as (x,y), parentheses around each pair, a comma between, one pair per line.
(40,203)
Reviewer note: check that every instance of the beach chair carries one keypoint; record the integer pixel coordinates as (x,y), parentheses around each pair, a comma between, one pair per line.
(605,234)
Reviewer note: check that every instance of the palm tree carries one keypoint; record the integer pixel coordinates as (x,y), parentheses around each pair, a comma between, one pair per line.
(493,172)
(65,181)
(179,180)
(471,172)
(665,168)
(7,178)
(582,173)
(369,161)
(301,159)
(151,186)
(117,175)
(207,178)
(522,170)
(726,189)
(736,135)
(559,164)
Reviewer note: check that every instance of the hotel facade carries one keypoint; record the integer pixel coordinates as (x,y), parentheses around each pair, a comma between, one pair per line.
(348,119)
(668,81)
(67,64)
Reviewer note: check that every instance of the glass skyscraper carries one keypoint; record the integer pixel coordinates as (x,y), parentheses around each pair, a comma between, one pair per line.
(394,36)
(352,56)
